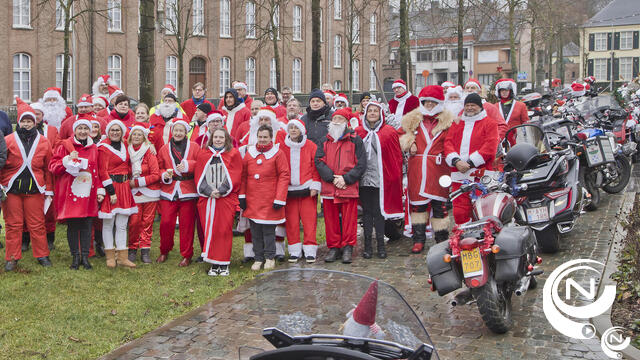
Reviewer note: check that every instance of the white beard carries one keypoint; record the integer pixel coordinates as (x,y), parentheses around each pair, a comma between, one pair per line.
(54,113)
(455,106)
(165,110)
(336,131)
(434,111)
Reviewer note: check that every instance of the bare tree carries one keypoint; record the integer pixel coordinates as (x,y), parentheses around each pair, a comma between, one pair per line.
(146,51)
(316,56)
(404,49)
(178,26)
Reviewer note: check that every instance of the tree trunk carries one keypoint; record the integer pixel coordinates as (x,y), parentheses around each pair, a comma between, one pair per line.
(65,61)
(460,41)
(276,56)
(146,51)
(550,58)
(560,59)
(404,40)
(315,39)
(512,40)
(532,58)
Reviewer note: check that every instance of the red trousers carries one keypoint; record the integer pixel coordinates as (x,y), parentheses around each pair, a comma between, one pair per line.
(141,226)
(18,210)
(301,209)
(49,220)
(185,211)
(462,206)
(217,216)
(336,237)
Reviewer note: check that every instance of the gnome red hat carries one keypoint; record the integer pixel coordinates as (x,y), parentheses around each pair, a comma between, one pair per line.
(170,88)
(85,100)
(473,81)
(299,124)
(361,321)
(399,83)
(508,84)
(577,90)
(341,97)
(433,93)
(24,109)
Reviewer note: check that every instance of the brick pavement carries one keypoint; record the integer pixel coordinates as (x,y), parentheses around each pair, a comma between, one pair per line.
(214,330)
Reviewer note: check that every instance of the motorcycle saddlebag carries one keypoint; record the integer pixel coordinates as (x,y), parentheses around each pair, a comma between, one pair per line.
(513,242)
(445,276)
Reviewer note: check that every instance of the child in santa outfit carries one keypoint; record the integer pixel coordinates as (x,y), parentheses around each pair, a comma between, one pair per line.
(177,161)
(115,172)
(263,194)
(341,161)
(302,194)
(425,130)
(381,184)
(75,165)
(27,182)
(218,172)
(145,187)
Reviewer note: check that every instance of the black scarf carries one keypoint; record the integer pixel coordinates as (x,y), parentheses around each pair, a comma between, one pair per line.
(315,114)
(116,144)
(27,137)
(178,148)
(82,142)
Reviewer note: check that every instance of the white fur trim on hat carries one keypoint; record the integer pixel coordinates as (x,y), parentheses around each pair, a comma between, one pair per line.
(181,122)
(81,122)
(448,84)
(37,106)
(214,116)
(119,123)
(398,84)
(454,90)
(115,94)
(99,100)
(266,113)
(52,94)
(506,84)
(27,113)
(83,101)
(297,123)
(144,130)
(240,85)
(340,98)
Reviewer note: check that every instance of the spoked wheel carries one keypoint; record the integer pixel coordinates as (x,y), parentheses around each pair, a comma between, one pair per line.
(624,174)
(494,304)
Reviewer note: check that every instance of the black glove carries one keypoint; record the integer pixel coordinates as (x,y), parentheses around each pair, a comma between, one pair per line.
(277,206)
(243,204)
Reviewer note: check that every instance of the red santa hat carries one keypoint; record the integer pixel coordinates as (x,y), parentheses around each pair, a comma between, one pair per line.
(170,88)
(100,100)
(447,84)
(81,121)
(454,90)
(473,81)
(116,122)
(399,83)
(299,124)
(508,84)
(215,115)
(266,111)
(144,127)
(240,85)
(95,120)
(365,312)
(331,93)
(341,97)
(85,100)
(433,93)
(344,112)
(53,92)
(590,79)
(577,89)
(101,80)
(24,109)
(177,121)
(114,91)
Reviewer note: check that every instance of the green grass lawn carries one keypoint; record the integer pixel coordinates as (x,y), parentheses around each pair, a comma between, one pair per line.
(58,313)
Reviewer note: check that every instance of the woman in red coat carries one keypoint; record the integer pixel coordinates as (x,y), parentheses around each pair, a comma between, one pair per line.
(115,172)
(177,161)
(122,112)
(75,166)
(146,192)
(218,172)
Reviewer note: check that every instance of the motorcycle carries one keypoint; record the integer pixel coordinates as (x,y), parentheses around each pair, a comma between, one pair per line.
(325,330)
(492,255)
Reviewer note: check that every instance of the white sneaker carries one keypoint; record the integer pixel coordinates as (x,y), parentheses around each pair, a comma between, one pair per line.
(223,270)
(269,264)
(256,266)
(213,271)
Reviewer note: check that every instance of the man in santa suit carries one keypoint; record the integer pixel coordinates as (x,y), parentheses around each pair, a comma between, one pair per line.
(266,116)
(27,182)
(513,112)
(293,112)
(403,102)
(271,99)
(101,86)
(198,97)
(329,95)
(446,85)
(425,130)
(166,112)
(242,89)
(302,195)
(340,101)
(470,149)
(54,108)
(85,111)
(472,86)
(199,119)
(235,111)
(381,183)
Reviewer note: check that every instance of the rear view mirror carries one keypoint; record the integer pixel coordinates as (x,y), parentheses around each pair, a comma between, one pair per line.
(445,181)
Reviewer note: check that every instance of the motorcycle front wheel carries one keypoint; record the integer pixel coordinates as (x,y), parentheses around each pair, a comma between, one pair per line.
(548,239)
(624,174)
(494,305)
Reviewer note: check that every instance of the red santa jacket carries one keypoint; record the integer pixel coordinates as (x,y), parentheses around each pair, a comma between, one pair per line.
(189,108)
(473,138)
(36,161)
(279,137)
(247,101)
(493,113)
(300,156)
(265,180)
(128,120)
(51,133)
(231,163)
(66,128)
(399,106)
(159,133)
(112,161)
(235,117)
(427,165)
(389,159)
(517,116)
(77,182)
(346,157)
(148,182)
(280,110)
(182,182)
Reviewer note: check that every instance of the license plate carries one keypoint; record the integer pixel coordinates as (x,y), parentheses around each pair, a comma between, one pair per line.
(539,214)
(471,262)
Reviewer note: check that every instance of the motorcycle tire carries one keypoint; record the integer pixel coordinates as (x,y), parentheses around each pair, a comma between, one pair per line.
(624,174)
(494,305)
(548,239)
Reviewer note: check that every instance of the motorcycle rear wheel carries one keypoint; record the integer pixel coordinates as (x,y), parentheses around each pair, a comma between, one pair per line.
(494,305)
(624,174)
(548,239)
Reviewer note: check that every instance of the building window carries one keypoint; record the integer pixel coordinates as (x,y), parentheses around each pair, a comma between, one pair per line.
(250,19)
(600,68)
(425,55)
(21,13)
(273,81)
(275,23)
(465,54)
(114,68)
(171,70)
(321,27)
(59,16)
(297,23)
(114,15)
(60,72)
(440,55)
(225,19)
(297,75)
(225,74)
(22,76)
(355,29)
(337,9)
(486,79)
(355,79)
(600,41)
(197,71)
(626,40)
(337,51)
(626,68)
(171,17)
(198,17)
(372,75)
(373,29)
(250,75)
(337,85)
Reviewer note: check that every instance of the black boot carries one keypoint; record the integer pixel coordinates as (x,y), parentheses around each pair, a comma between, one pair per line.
(75,262)
(419,237)
(347,253)
(133,254)
(98,244)
(44,261)
(26,239)
(332,255)
(144,256)
(85,262)
(51,237)
(382,252)
(441,235)
(368,248)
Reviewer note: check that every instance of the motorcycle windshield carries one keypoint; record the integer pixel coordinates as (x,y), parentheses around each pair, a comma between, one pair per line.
(528,134)
(305,302)
(590,105)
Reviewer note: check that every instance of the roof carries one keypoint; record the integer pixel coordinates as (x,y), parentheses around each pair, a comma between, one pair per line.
(497,30)
(569,50)
(617,13)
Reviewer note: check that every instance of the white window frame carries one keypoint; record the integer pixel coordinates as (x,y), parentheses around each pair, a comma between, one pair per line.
(250,74)
(60,71)
(626,38)
(171,70)
(337,51)
(114,16)
(59,16)
(296,78)
(114,68)
(22,76)
(600,42)
(320,77)
(355,78)
(198,17)
(355,29)
(297,23)
(170,16)
(225,74)
(250,19)
(22,14)
(600,68)
(337,85)
(337,9)
(372,77)
(225,19)
(627,63)
(373,29)
(273,81)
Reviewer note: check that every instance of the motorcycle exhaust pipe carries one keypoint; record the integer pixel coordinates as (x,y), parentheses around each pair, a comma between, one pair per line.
(523,286)
(462,298)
